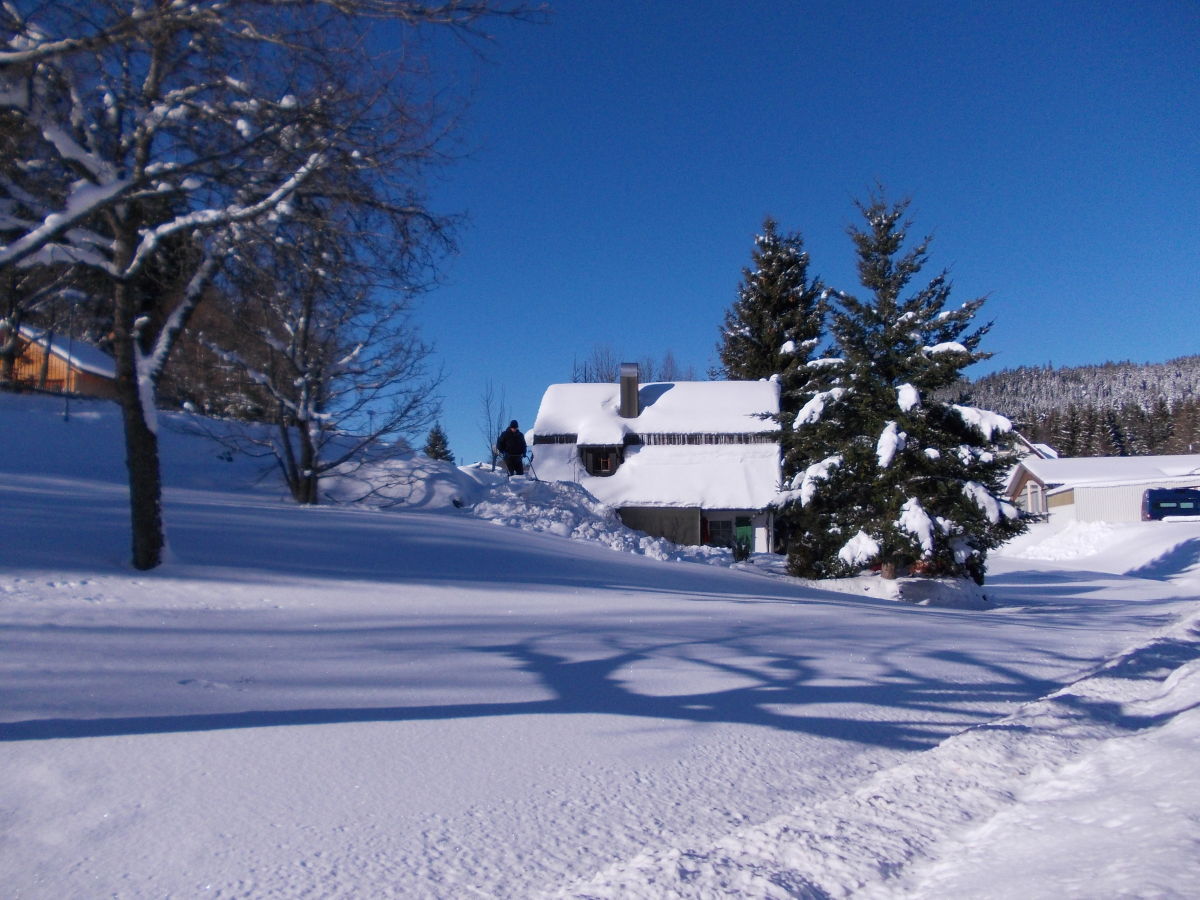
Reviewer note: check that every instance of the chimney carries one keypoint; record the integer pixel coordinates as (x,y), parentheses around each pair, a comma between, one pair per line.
(630,407)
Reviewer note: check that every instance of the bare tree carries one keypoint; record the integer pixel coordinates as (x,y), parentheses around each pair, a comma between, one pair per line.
(167,129)
(601,366)
(342,363)
(493,417)
(671,370)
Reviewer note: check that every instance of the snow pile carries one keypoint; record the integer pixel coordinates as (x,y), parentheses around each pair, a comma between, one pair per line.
(1075,541)
(409,479)
(565,509)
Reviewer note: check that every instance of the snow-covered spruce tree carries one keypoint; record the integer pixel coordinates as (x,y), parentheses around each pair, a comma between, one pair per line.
(437,445)
(887,475)
(777,320)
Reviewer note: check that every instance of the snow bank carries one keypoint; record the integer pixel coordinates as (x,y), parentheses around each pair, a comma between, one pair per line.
(567,510)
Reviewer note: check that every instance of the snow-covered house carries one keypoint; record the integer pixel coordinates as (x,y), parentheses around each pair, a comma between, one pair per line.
(696,462)
(50,362)
(1097,488)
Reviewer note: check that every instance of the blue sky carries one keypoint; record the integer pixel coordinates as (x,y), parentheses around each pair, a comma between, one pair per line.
(622,158)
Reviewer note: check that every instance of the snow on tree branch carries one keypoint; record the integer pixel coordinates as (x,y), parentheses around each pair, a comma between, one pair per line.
(890,442)
(860,550)
(908,397)
(812,411)
(806,483)
(988,424)
(992,507)
(916,522)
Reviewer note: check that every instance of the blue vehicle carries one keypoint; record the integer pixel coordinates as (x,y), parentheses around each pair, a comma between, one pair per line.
(1158,503)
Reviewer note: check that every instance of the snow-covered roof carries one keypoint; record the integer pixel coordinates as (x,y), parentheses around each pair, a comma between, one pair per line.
(672,407)
(1096,470)
(722,475)
(1027,447)
(75,353)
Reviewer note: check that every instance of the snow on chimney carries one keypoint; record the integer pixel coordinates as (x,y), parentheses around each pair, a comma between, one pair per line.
(630,408)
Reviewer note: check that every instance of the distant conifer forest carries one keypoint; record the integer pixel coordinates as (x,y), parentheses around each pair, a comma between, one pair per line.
(1110,409)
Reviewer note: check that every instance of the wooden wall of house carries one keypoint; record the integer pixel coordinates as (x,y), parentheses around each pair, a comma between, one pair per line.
(680,525)
(34,368)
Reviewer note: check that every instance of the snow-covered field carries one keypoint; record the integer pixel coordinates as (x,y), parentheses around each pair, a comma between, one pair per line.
(465,688)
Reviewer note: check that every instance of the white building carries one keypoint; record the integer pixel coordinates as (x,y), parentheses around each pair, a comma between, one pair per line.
(1097,488)
(696,462)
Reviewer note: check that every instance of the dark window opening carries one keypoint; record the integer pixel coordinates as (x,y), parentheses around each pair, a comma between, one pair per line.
(720,533)
(600,461)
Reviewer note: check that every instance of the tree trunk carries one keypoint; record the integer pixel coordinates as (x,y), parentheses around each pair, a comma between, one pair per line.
(888,570)
(145,481)
(141,443)
(308,464)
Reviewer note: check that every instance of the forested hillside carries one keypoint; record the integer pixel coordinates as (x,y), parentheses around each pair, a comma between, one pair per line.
(1112,409)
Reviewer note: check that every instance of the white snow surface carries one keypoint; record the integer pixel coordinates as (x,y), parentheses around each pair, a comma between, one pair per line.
(463,686)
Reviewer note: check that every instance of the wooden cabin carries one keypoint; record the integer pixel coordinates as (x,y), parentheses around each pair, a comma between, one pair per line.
(45,361)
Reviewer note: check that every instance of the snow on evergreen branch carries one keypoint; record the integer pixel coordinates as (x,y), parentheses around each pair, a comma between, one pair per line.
(805,484)
(812,411)
(916,522)
(860,550)
(890,442)
(987,423)
(993,508)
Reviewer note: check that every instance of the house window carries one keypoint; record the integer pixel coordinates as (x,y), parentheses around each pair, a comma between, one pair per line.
(600,461)
(720,532)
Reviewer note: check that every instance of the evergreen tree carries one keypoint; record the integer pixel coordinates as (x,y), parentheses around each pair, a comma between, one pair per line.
(777,320)
(888,474)
(1185,431)
(438,446)
(1159,425)
(1068,441)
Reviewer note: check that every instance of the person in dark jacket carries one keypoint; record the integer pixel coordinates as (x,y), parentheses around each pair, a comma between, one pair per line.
(511,445)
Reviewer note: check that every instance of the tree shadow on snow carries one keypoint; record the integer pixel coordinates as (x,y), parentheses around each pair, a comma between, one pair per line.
(885,703)
(1174,562)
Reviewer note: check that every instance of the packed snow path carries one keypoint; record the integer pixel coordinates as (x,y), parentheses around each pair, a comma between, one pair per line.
(340,702)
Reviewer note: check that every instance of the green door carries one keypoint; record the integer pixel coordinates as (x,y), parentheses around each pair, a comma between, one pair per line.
(743,531)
